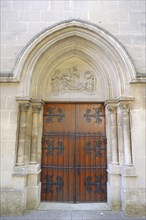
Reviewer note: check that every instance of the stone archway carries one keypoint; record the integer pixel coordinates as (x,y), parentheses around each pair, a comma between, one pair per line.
(90,49)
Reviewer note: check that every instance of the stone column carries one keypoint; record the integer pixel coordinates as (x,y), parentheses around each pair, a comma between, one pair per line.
(125,108)
(34,137)
(120,137)
(23,108)
(112,108)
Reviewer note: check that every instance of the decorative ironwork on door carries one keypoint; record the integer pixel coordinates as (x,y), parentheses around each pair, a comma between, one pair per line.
(74,153)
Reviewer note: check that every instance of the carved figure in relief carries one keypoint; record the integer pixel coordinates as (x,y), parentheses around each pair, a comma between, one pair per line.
(71,81)
(57,85)
(89,82)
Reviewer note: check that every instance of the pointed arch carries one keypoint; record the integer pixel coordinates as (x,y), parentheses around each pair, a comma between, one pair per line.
(80,39)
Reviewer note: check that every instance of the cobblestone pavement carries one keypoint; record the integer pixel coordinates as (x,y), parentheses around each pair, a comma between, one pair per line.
(72,215)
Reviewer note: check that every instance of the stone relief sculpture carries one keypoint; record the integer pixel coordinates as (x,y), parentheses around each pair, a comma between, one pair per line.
(71,82)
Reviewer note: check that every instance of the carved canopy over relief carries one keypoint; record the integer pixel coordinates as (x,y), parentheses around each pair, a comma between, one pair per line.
(72,80)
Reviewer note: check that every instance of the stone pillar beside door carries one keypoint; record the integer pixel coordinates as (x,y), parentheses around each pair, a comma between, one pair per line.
(113,170)
(34,170)
(27,167)
(128,173)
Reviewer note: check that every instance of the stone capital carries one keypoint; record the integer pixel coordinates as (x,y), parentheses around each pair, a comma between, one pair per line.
(124,107)
(36,108)
(112,108)
(24,107)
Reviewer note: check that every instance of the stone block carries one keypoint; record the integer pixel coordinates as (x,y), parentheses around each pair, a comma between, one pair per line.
(33,197)
(36,6)
(113,196)
(135,51)
(33,179)
(65,14)
(13,50)
(118,16)
(124,39)
(140,65)
(3,26)
(142,6)
(112,28)
(25,5)
(4,117)
(13,202)
(91,5)
(8,38)
(24,38)
(142,28)
(34,28)
(29,16)
(10,15)
(50,16)
(9,132)
(81,5)
(132,27)
(13,117)
(94,16)
(137,17)
(5,5)
(133,203)
(7,64)
(16,27)
(138,39)
(131,5)
(109,5)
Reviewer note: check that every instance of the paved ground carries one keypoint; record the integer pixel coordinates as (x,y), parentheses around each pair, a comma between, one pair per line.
(71,215)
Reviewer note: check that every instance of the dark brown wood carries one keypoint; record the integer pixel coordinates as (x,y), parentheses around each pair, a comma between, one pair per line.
(74,153)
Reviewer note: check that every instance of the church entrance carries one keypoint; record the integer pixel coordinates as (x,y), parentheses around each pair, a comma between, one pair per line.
(74,153)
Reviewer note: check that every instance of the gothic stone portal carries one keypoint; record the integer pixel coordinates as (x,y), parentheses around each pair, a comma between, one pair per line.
(74,153)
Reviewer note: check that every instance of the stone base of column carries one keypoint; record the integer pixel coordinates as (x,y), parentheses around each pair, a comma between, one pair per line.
(133,202)
(20,171)
(33,168)
(33,197)
(133,197)
(113,187)
(33,187)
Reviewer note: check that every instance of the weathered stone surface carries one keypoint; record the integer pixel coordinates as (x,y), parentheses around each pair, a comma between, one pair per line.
(13,202)
(134,202)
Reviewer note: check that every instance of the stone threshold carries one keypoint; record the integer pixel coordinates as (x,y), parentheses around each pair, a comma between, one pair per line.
(71,206)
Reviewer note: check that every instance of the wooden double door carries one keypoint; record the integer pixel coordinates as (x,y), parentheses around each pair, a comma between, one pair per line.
(74,153)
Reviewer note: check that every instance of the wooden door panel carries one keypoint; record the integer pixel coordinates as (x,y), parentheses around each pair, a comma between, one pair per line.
(90,118)
(74,153)
(59,118)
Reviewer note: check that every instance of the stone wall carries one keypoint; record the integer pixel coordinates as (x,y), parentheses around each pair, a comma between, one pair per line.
(22,20)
